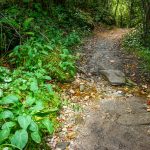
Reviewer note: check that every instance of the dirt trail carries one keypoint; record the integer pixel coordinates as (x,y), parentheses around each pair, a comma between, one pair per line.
(118,120)
(103,117)
(102,51)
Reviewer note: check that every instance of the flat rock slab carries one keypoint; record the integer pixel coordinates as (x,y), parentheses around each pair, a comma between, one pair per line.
(115,77)
(62,145)
(135,119)
(112,127)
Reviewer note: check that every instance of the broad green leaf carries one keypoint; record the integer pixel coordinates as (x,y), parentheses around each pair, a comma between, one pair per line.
(47,78)
(39,45)
(15,50)
(48,124)
(6,114)
(4,134)
(39,106)
(10,99)
(8,79)
(24,121)
(36,137)
(8,125)
(44,52)
(66,51)
(34,86)
(27,23)
(7,148)
(29,100)
(1,93)
(49,88)
(23,87)
(29,33)
(20,138)
(46,112)
(33,126)
(42,114)
(49,47)
(53,110)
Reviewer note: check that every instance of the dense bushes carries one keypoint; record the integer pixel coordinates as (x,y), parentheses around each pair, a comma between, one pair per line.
(133,42)
(36,53)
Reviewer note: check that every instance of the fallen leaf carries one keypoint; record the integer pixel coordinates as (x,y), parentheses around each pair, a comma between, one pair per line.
(71,135)
(148,102)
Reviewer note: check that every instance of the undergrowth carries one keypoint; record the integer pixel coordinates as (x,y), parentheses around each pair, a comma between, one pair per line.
(133,43)
(36,53)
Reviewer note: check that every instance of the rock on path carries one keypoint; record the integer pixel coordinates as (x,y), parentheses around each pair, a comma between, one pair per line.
(115,77)
(103,56)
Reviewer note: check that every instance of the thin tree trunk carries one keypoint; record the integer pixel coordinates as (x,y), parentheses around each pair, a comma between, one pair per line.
(131,12)
(116,8)
(146,21)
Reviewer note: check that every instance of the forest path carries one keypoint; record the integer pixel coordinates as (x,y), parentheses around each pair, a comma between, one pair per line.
(118,120)
(112,117)
(102,50)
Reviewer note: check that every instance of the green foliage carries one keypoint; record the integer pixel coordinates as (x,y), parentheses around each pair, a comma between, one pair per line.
(72,17)
(134,38)
(27,23)
(38,50)
(26,113)
(101,14)
(20,139)
(133,42)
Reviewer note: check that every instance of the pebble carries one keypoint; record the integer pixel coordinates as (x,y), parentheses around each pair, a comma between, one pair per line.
(72,91)
(82,87)
(112,61)
(71,135)
(58,149)
(64,129)
(148,131)
(129,95)
(86,97)
(119,93)
(62,145)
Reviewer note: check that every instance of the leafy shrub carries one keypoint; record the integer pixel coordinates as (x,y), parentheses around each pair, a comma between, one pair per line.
(72,17)
(83,18)
(133,43)
(28,106)
(134,38)
(59,63)
(37,48)
(103,15)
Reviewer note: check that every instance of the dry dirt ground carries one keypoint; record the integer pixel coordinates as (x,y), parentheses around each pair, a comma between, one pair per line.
(100,116)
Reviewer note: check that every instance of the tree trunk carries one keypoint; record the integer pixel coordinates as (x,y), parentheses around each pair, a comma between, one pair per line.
(146,22)
(131,13)
(116,7)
